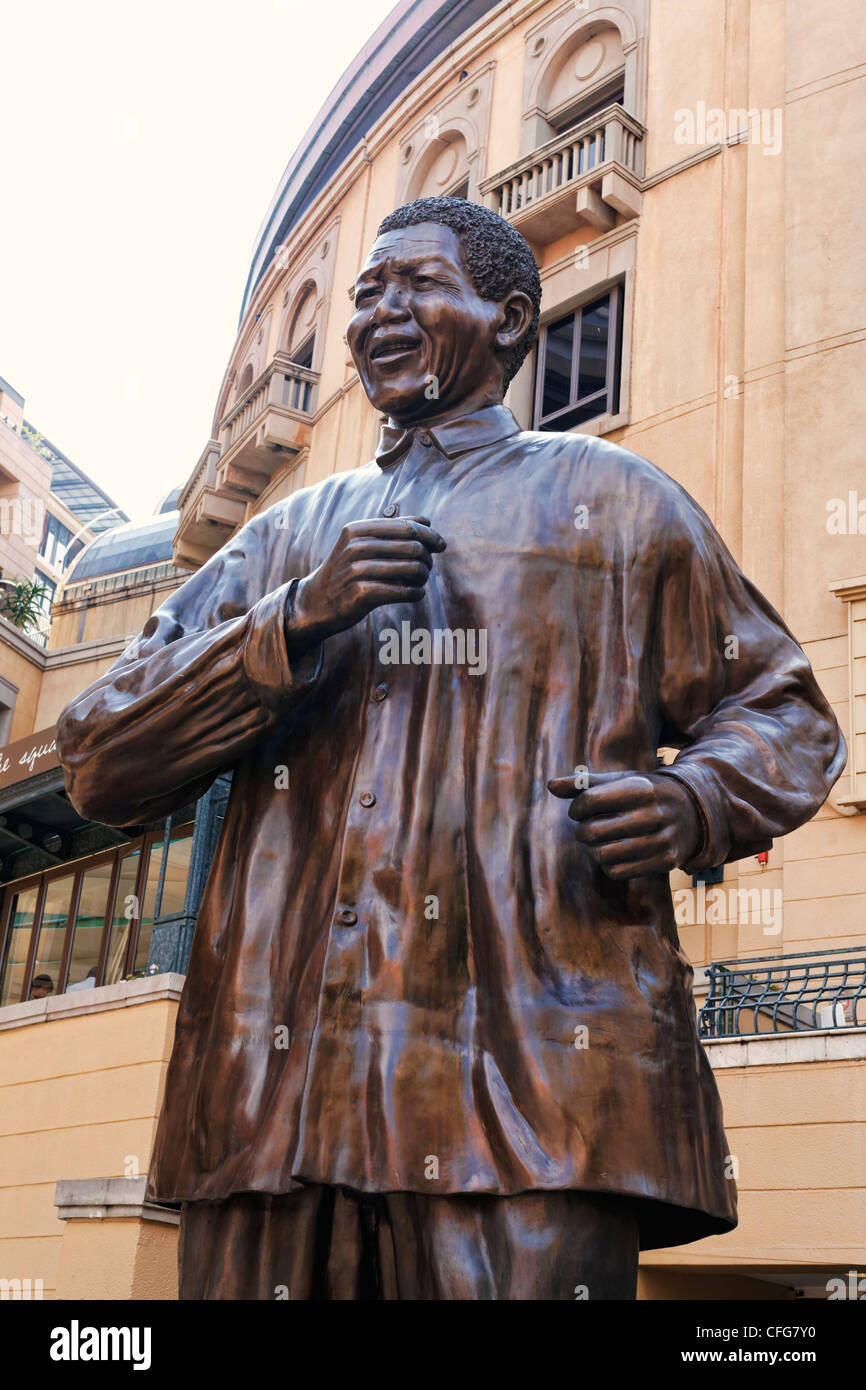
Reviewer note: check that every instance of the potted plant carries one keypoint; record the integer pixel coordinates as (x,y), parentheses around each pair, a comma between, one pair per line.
(22,602)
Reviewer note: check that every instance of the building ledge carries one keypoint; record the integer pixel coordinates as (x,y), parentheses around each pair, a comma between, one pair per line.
(96,649)
(105,1199)
(14,638)
(773,1049)
(149,990)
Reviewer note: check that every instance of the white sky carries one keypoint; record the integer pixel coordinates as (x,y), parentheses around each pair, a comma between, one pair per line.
(141,147)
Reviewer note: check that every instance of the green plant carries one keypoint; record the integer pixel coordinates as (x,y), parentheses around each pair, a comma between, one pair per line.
(37,441)
(22,606)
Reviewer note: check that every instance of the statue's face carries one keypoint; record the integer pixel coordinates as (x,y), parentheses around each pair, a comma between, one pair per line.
(422,339)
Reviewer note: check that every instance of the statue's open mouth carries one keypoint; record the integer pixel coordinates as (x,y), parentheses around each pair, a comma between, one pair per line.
(391,348)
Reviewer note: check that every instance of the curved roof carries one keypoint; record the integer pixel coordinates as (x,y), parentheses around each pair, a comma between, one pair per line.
(126,548)
(412,37)
(170,501)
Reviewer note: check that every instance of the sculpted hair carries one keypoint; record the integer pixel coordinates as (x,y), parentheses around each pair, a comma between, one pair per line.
(498,259)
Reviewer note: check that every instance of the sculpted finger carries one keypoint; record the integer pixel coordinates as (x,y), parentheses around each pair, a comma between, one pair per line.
(602,830)
(377,595)
(638,868)
(402,528)
(388,548)
(628,793)
(562,786)
(411,572)
(637,855)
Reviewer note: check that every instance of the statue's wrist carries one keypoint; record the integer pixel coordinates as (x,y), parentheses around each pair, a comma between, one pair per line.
(302,629)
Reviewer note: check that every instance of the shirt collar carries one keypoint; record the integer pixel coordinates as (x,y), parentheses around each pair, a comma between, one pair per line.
(452,437)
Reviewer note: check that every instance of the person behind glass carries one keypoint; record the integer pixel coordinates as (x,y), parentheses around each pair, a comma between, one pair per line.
(42,985)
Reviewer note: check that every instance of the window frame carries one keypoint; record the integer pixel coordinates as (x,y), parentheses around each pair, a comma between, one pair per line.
(53,543)
(77,868)
(609,92)
(609,397)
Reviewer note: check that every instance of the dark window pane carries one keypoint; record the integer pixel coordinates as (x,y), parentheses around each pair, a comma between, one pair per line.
(578,414)
(176,875)
(89,923)
(557,365)
(173,891)
(304,354)
(592,108)
(152,882)
(592,367)
(23,908)
(49,950)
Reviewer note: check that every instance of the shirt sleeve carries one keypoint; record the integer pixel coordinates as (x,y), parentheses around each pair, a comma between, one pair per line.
(761,748)
(207,678)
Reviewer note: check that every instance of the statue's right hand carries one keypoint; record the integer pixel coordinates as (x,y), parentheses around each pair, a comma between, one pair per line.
(373,562)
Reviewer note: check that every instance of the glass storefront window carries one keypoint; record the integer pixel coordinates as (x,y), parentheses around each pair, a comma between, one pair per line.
(173,890)
(126,910)
(23,915)
(89,924)
(75,930)
(52,934)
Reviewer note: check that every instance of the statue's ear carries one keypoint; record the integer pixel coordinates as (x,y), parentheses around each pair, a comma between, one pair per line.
(516,319)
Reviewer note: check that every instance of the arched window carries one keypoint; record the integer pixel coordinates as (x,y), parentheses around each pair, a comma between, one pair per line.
(302,328)
(444,172)
(583,80)
(245,381)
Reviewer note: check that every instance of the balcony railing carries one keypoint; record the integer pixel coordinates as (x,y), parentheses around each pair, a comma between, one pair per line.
(271,418)
(785,994)
(203,475)
(586,174)
(207,518)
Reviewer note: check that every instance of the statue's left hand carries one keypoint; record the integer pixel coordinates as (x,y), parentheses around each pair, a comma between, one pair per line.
(633,823)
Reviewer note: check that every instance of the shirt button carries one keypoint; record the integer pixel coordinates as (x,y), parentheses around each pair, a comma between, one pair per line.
(367,799)
(426,441)
(380,693)
(346,917)
(391,510)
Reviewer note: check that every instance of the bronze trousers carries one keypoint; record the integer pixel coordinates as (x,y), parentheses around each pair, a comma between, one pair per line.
(324,1242)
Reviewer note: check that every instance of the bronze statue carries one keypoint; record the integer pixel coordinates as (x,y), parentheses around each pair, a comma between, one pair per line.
(437,1038)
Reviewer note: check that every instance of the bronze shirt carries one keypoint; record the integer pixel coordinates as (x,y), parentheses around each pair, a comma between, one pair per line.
(398,951)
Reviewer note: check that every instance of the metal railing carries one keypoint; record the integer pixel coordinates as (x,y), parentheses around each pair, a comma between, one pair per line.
(610,135)
(785,994)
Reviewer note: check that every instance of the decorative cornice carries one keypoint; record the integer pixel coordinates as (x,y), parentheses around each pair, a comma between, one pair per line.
(88,1199)
(849,590)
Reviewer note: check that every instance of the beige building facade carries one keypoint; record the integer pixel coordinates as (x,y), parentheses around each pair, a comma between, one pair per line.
(686,176)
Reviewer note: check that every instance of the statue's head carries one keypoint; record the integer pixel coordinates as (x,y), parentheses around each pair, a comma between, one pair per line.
(446,309)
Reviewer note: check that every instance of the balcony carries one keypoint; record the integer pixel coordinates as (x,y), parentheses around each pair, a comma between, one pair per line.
(207,517)
(270,422)
(786,994)
(586,175)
